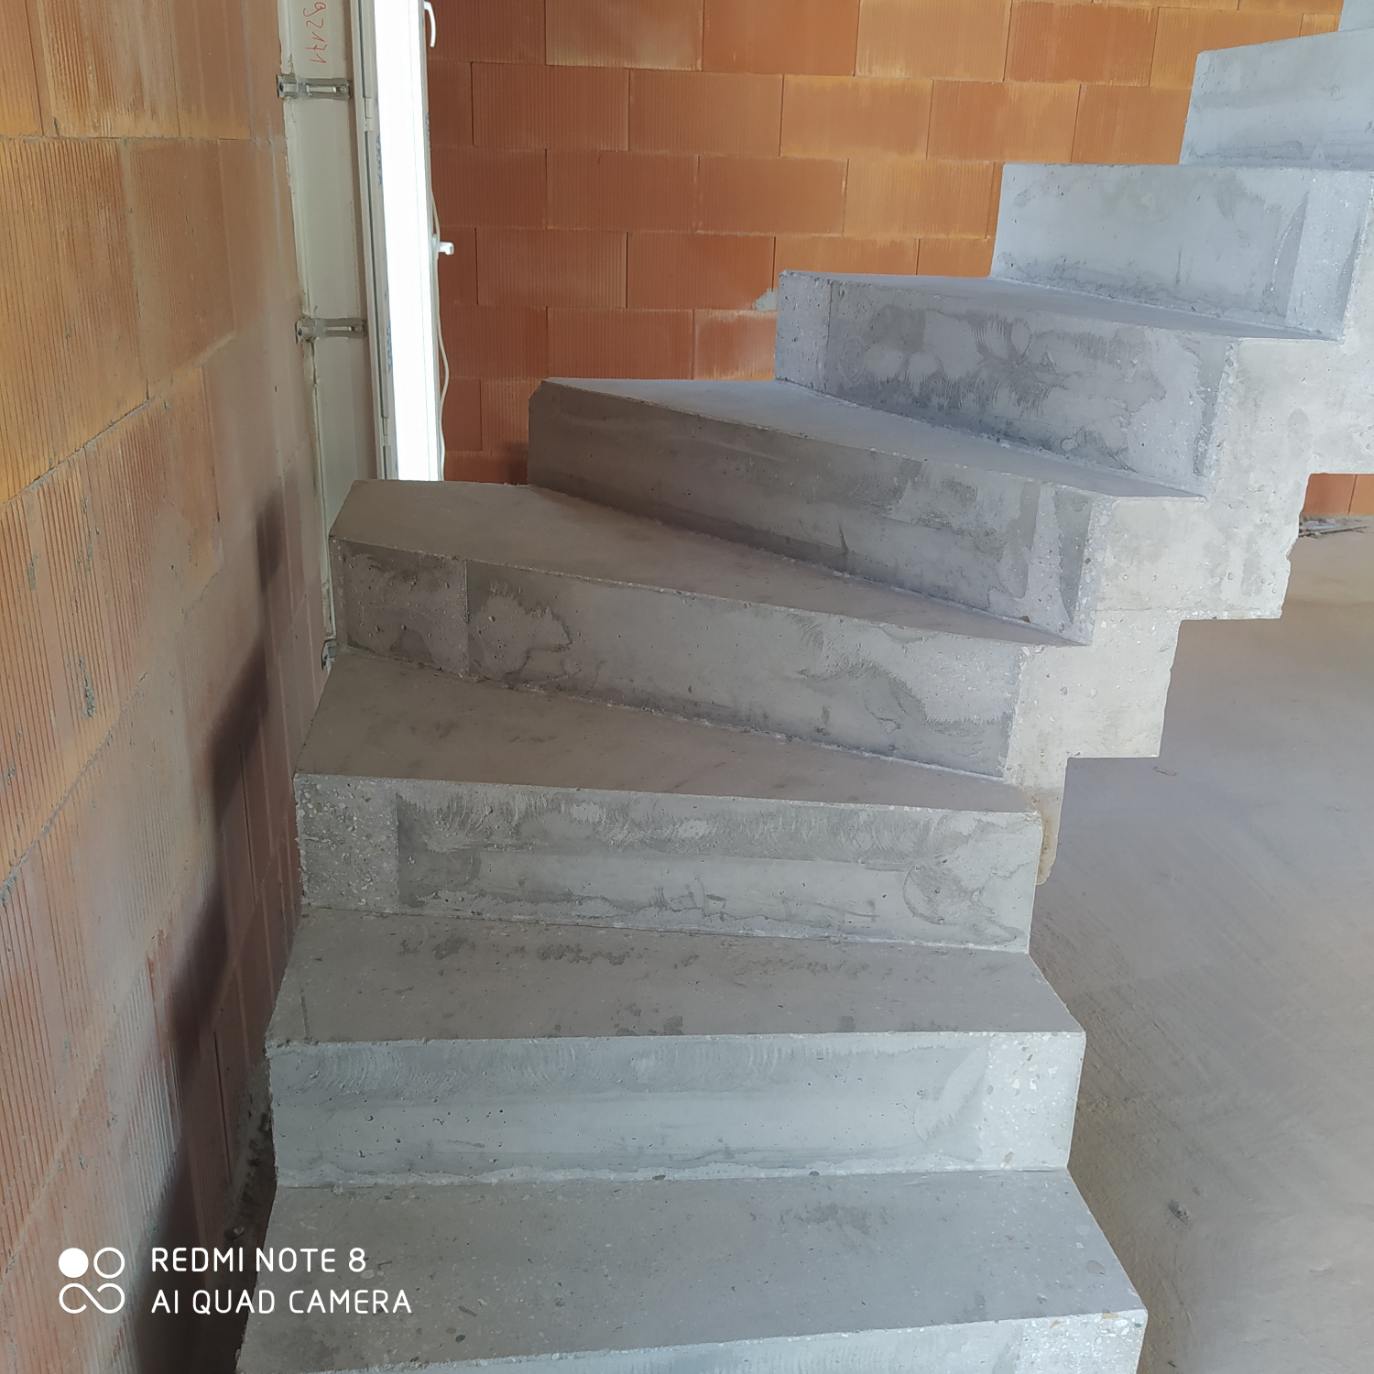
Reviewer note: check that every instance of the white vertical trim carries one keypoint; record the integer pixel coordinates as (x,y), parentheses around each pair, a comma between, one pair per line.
(402,275)
(317,41)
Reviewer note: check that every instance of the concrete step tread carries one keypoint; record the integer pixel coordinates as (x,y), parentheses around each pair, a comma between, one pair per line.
(1293,102)
(519,1271)
(994,294)
(381,718)
(1150,234)
(545,531)
(786,408)
(1356,179)
(447,978)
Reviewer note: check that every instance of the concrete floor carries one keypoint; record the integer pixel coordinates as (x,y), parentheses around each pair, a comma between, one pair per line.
(1210,922)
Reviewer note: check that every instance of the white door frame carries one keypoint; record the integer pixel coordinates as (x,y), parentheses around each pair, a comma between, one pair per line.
(321,155)
(400,242)
(354,99)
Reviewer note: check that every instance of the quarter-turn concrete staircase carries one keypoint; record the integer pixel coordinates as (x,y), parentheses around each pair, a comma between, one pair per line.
(670,827)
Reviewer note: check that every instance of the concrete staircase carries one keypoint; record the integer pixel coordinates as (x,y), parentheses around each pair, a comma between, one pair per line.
(670,827)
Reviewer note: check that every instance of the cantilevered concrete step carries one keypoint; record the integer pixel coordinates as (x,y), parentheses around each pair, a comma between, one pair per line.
(1357,14)
(422,792)
(1014,531)
(480,1050)
(1300,101)
(964,1273)
(542,590)
(1111,384)
(1274,245)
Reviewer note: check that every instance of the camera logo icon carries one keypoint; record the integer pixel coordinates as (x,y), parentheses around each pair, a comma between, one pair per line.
(107,1264)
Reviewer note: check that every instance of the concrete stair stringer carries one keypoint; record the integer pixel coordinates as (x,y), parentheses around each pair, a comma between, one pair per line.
(1280,408)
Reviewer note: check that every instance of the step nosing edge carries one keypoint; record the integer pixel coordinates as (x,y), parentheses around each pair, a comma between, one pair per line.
(858,1037)
(1028,637)
(1219,327)
(1027,809)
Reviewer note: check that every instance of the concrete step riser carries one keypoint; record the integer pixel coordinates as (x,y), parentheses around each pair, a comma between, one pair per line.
(1097,1344)
(1150,234)
(733,865)
(932,698)
(538,1051)
(684,1106)
(965,1273)
(1306,101)
(1121,396)
(992,541)
(1105,1343)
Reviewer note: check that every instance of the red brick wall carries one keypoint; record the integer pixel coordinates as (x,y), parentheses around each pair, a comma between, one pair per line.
(160,626)
(624,179)
(1340,494)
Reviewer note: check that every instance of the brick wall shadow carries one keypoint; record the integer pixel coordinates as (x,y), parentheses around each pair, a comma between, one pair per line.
(202,1201)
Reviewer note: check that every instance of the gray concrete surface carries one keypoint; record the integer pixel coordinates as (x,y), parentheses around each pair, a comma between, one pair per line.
(1300,101)
(1114,384)
(1357,14)
(1210,922)
(573,597)
(418,791)
(1154,234)
(500,1050)
(578,599)
(1239,411)
(965,1273)
(1013,531)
